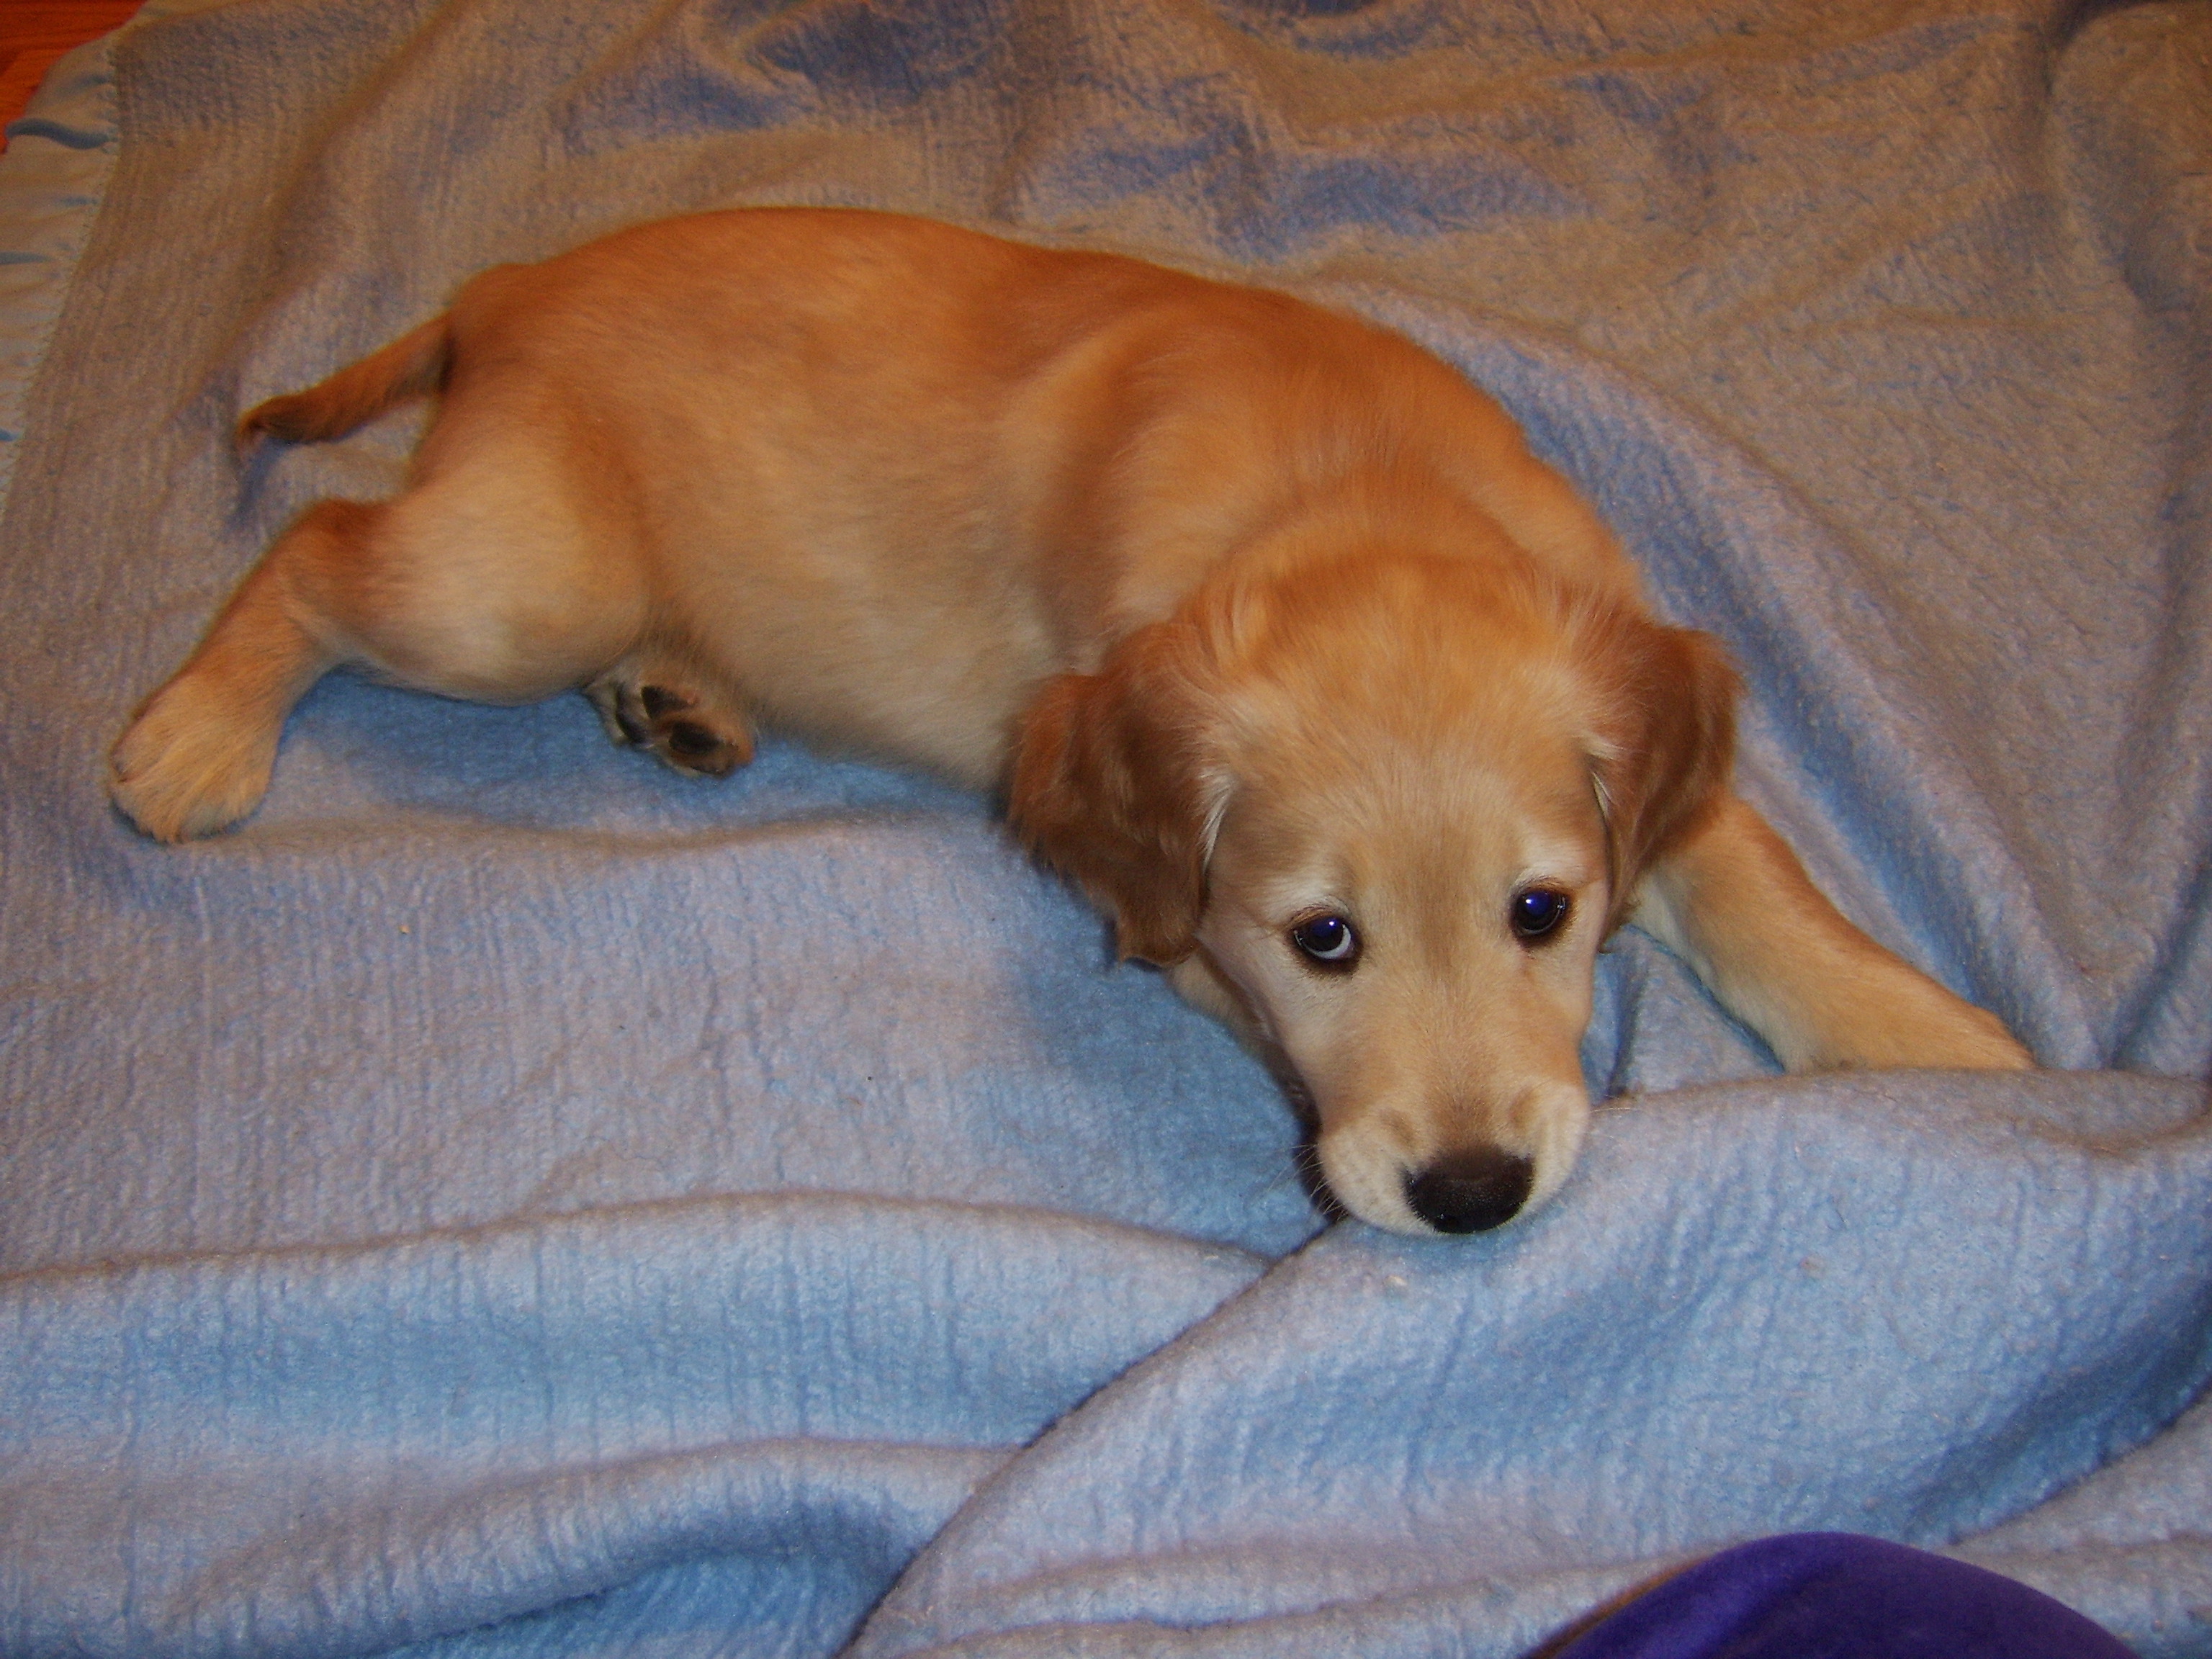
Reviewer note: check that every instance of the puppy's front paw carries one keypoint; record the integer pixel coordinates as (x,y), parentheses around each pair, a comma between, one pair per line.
(190,764)
(684,728)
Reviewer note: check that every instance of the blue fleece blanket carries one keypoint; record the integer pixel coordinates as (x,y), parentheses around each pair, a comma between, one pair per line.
(509,1199)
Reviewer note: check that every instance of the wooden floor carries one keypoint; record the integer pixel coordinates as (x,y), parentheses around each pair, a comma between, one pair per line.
(34,33)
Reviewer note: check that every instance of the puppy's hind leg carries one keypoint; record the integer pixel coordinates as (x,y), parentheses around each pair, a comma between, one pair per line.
(197,757)
(1733,901)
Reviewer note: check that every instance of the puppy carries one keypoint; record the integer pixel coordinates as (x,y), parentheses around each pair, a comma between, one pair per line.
(1277,640)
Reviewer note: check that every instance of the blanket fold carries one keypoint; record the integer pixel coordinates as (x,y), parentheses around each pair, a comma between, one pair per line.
(342,1451)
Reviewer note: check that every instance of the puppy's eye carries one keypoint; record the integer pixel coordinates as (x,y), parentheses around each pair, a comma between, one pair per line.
(1538,912)
(1327,940)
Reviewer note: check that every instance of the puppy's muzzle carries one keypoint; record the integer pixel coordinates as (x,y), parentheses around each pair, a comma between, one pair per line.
(1471,1191)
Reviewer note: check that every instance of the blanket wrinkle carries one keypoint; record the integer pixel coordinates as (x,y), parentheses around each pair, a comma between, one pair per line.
(509,1199)
(564,1408)
(378,1577)
(1528,1448)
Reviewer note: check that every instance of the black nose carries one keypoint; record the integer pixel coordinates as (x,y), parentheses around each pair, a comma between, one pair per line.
(1471,1192)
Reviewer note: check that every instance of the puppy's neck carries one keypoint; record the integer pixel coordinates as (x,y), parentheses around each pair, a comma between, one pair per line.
(1381,512)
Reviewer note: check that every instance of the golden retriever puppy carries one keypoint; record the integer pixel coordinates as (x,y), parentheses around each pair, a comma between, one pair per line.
(1275,635)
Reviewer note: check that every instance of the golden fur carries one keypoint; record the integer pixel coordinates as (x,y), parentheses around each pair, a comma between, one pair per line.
(1269,627)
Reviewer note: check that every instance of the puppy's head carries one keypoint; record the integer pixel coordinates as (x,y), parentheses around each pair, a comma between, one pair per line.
(1381,811)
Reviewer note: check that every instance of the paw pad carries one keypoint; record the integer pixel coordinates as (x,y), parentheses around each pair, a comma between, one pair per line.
(672,723)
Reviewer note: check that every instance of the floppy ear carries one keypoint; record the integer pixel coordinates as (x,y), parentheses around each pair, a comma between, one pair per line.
(1664,743)
(1108,787)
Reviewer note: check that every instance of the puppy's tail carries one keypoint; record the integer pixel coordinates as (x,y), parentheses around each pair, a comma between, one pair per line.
(409,367)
